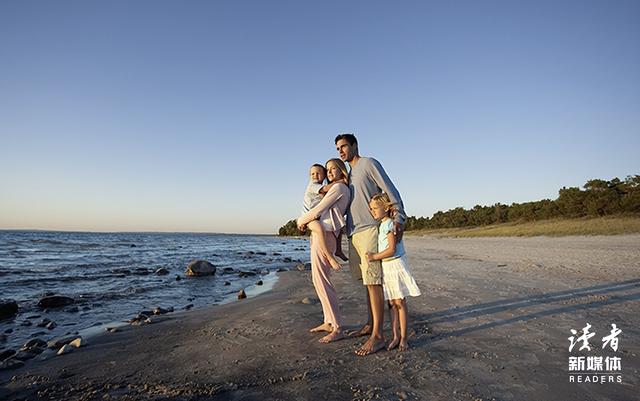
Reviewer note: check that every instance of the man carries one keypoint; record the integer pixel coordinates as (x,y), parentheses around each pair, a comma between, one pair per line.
(367,178)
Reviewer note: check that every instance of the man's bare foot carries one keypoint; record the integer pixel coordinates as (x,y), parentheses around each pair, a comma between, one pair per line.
(323,327)
(403,345)
(341,255)
(331,337)
(393,344)
(364,331)
(371,346)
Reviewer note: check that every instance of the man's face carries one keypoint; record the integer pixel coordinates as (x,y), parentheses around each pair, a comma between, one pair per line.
(346,150)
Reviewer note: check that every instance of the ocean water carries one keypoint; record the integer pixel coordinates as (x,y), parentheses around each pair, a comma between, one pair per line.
(112,276)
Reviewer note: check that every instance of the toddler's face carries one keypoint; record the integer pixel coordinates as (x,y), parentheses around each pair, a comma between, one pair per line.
(317,175)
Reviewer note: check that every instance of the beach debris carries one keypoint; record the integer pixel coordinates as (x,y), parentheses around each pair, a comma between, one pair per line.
(78,342)
(65,349)
(8,308)
(199,268)
(242,294)
(309,301)
(11,364)
(55,301)
(58,342)
(162,271)
(259,282)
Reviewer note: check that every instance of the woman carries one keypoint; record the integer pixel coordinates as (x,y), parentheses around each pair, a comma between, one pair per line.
(330,212)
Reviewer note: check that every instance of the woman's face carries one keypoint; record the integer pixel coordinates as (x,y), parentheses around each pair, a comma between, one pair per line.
(333,172)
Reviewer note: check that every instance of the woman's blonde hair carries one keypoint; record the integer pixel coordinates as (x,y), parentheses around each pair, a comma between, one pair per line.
(341,166)
(383,200)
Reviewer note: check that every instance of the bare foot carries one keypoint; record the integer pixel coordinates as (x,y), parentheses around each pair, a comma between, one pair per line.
(393,344)
(331,337)
(364,331)
(403,345)
(341,255)
(323,327)
(372,346)
(335,265)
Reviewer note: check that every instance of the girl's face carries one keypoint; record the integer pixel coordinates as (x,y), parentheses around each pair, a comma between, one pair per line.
(316,174)
(377,210)
(333,172)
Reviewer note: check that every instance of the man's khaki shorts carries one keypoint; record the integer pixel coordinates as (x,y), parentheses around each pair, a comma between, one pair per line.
(359,244)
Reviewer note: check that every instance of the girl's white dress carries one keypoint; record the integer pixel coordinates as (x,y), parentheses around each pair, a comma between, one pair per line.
(397,281)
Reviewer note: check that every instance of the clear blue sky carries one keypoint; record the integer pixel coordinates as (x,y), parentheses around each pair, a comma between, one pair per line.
(204,116)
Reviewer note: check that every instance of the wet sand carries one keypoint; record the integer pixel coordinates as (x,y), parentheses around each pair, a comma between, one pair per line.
(492,324)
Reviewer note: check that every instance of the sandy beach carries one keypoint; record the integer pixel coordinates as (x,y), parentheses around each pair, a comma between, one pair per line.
(492,324)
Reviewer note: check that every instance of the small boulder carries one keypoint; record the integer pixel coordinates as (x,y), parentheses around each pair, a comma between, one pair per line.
(77,343)
(55,301)
(51,325)
(242,294)
(227,283)
(259,282)
(58,342)
(199,268)
(228,270)
(44,322)
(8,308)
(161,311)
(188,307)
(162,271)
(35,342)
(65,349)
(244,274)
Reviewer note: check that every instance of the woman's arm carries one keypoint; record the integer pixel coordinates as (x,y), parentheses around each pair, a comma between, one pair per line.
(387,253)
(325,204)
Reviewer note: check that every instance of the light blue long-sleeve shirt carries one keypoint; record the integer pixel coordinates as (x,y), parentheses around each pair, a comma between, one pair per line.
(366,179)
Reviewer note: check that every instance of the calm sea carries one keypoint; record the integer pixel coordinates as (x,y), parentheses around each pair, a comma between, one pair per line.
(112,276)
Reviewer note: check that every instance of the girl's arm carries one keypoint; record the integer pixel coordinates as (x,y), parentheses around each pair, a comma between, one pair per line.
(387,253)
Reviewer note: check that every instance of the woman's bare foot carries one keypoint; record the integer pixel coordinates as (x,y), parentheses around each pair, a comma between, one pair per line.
(371,346)
(364,331)
(393,344)
(331,337)
(341,255)
(403,345)
(323,327)
(335,265)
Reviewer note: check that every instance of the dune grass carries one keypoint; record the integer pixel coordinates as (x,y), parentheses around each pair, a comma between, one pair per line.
(552,228)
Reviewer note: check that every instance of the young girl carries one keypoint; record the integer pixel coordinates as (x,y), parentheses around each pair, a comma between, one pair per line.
(397,281)
(312,196)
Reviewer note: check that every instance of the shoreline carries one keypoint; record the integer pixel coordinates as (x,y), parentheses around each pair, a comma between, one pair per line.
(493,322)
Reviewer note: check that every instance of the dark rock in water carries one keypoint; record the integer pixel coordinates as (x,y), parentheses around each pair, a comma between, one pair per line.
(25,354)
(228,270)
(8,331)
(227,283)
(8,308)
(37,334)
(35,342)
(44,322)
(199,268)
(51,325)
(188,307)
(259,282)
(146,312)
(281,269)
(161,311)
(242,294)
(60,341)
(125,272)
(34,316)
(244,274)
(7,353)
(178,278)
(287,260)
(26,323)
(55,301)
(141,271)
(261,253)
(277,254)
(11,364)
(132,246)
(162,271)
(251,253)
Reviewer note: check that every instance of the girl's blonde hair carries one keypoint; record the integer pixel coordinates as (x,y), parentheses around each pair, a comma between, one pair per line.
(341,166)
(383,200)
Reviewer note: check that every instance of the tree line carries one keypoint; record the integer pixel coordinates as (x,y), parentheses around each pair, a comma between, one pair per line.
(596,198)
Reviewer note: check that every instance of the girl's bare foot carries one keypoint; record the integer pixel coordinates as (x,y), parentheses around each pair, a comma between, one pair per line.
(403,345)
(393,344)
(323,327)
(331,337)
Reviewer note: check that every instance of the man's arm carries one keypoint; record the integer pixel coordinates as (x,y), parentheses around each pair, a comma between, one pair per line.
(383,181)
